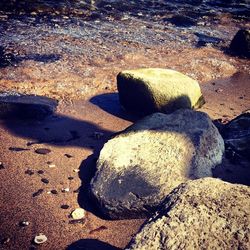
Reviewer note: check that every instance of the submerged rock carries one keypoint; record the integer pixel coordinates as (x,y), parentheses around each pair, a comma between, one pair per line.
(15,105)
(145,91)
(241,43)
(140,166)
(201,214)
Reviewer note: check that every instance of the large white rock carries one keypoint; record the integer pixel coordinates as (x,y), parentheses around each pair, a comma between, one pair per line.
(202,214)
(145,91)
(139,167)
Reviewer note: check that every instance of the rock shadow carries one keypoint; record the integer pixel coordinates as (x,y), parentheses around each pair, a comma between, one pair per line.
(87,172)
(32,118)
(110,103)
(91,244)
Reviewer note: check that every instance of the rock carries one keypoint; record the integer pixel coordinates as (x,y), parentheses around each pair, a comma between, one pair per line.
(40,239)
(78,214)
(65,190)
(45,181)
(240,44)
(2,165)
(23,223)
(236,134)
(15,105)
(201,214)
(42,151)
(39,192)
(145,91)
(140,166)
(64,206)
(51,165)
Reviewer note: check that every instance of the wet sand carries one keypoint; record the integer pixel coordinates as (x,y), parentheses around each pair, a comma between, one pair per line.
(77,63)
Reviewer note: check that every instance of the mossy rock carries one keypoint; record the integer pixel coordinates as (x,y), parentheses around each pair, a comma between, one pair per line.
(145,91)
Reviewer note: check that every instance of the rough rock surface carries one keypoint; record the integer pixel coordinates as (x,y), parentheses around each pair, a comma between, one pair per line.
(202,214)
(145,91)
(241,43)
(15,105)
(236,134)
(139,167)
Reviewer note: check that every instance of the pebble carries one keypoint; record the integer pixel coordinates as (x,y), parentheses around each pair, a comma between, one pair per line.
(76,170)
(64,206)
(78,213)
(40,191)
(80,221)
(24,223)
(219,90)
(68,155)
(44,180)
(29,172)
(5,241)
(40,239)
(40,172)
(42,151)
(52,165)
(70,178)
(53,191)
(65,190)
(1,166)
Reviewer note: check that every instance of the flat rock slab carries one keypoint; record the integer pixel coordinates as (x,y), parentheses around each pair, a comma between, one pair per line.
(201,214)
(139,167)
(145,91)
(15,105)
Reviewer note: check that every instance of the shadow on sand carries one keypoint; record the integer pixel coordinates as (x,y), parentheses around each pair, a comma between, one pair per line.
(91,244)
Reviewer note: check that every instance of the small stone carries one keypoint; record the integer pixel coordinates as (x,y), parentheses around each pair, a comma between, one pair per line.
(76,170)
(5,241)
(53,191)
(52,165)
(1,166)
(17,149)
(40,239)
(23,223)
(44,180)
(79,221)
(42,151)
(40,172)
(29,172)
(65,190)
(219,90)
(40,191)
(70,178)
(68,155)
(78,214)
(64,206)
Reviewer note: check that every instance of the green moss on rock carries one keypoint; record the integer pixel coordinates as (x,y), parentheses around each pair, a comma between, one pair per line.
(144,91)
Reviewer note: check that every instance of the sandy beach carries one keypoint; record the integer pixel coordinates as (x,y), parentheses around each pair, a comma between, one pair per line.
(76,62)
